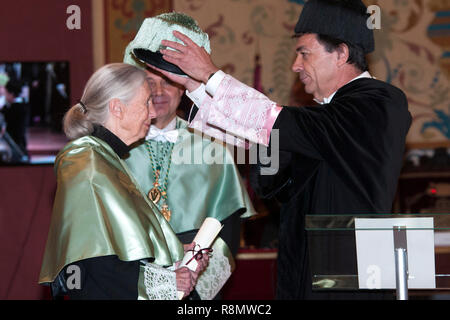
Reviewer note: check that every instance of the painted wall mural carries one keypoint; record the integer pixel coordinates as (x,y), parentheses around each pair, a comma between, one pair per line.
(251,39)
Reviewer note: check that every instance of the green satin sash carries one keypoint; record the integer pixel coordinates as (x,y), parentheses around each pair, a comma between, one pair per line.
(196,187)
(99,210)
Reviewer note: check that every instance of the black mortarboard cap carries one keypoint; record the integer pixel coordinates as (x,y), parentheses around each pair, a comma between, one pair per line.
(345,20)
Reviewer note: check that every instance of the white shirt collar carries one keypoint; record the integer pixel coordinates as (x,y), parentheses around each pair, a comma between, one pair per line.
(172,125)
(365,74)
(159,134)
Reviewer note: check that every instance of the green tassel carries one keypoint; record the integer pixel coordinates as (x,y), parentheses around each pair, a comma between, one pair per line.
(180,19)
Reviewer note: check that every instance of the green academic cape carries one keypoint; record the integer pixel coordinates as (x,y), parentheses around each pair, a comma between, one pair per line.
(100,211)
(203,180)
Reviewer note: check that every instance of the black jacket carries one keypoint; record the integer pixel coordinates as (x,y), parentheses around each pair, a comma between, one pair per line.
(343,157)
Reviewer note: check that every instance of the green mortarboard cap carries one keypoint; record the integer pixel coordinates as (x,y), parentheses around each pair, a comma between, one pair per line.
(147,43)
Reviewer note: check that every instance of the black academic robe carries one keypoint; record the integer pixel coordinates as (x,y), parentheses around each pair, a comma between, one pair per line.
(16,117)
(338,158)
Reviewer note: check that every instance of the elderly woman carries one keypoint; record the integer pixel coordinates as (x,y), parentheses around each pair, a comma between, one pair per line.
(106,240)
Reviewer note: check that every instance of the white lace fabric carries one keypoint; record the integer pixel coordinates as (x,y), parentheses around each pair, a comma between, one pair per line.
(211,281)
(236,113)
(160,283)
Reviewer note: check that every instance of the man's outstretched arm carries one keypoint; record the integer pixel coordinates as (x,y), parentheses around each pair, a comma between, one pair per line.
(230,111)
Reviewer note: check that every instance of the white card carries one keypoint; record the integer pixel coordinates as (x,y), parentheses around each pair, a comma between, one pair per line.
(376,256)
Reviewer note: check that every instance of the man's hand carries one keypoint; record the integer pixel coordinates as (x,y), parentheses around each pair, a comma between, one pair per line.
(190,58)
(187,82)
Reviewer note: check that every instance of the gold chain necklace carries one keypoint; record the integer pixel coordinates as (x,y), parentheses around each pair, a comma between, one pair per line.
(159,191)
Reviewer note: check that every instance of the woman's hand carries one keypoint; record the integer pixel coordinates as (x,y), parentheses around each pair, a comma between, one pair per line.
(190,58)
(185,280)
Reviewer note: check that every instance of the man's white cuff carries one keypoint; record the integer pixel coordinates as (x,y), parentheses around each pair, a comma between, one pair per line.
(198,95)
(214,82)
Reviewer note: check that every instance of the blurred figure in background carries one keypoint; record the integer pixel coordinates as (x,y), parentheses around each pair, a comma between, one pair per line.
(16,113)
(3,81)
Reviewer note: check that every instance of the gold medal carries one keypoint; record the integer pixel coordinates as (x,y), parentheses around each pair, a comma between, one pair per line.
(166,212)
(154,195)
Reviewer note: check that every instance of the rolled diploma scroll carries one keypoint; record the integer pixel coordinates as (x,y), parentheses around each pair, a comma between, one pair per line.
(204,238)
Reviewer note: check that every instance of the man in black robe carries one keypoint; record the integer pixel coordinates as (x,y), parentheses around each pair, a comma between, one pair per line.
(341,157)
